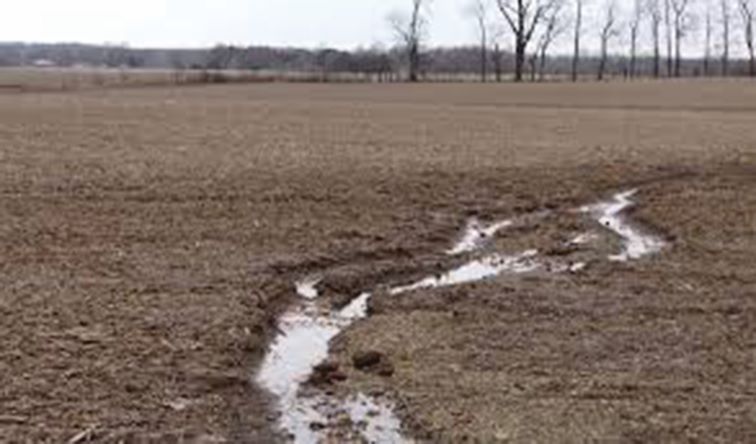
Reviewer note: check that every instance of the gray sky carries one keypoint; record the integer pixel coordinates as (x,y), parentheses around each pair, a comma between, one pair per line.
(194,23)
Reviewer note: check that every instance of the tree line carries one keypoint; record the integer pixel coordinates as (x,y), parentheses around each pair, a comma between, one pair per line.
(533,26)
(516,39)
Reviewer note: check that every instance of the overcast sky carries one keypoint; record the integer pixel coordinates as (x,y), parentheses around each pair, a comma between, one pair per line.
(192,23)
(197,23)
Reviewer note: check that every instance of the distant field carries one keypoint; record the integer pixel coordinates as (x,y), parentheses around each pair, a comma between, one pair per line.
(150,237)
(33,79)
(73,79)
(14,80)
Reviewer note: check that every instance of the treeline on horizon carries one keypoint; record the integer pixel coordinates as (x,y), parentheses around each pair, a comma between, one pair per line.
(376,63)
(627,30)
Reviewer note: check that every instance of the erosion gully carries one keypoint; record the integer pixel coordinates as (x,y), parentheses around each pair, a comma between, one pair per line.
(307,329)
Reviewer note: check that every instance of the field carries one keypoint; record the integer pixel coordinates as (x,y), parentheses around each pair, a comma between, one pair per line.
(150,238)
(25,79)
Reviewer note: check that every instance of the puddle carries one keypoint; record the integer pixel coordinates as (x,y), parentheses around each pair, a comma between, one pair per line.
(302,343)
(487,267)
(307,329)
(377,422)
(305,333)
(636,244)
(475,234)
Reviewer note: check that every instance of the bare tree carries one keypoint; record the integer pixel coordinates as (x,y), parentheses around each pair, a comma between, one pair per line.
(553,28)
(635,23)
(221,57)
(655,14)
(608,30)
(725,6)
(532,62)
(523,16)
(411,32)
(668,32)
(680,9)
(497,61)
(747,10)
(479,12)
(707,49)
(576,39)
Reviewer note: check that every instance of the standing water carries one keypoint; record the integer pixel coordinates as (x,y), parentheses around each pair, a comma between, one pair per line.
(306,330)
(636,243)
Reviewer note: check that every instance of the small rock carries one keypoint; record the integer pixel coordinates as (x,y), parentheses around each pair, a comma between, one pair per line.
(377,393)
(563,250)
(366,359)
(317,426)
(326,367)
(338,376)
(178,405)
(327,373)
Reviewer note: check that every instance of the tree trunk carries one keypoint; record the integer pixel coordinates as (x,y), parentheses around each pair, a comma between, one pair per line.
(725,41)
(602,62)
(576,53)
(657,57)
(678,55)
(542,67)
(483,61)
(497,62)
(413,63)
(633,51)
(749,44)
(707,53)
(668,29)
(519,59)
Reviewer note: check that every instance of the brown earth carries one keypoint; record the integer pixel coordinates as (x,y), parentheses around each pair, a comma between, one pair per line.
(149,237)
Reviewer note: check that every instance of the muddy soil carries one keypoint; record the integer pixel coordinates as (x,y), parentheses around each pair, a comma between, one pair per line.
(656,349)
(149,239)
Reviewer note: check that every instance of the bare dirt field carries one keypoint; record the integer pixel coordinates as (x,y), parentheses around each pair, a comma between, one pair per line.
(149,239)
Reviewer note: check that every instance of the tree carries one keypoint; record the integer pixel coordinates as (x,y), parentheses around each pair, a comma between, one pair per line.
(523,17)
(411,32)
(655,14)
(220,57)
(707,39)
(668,32)
(680,9)
(634,29)
(576,39)
(747,10)
(479,12)
(608,30)
(116,56)
(329,60)
(497,61)
(725,6)
(553,28)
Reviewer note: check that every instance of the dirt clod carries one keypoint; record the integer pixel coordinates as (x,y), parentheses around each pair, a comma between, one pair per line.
(328,372)
(366,360)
